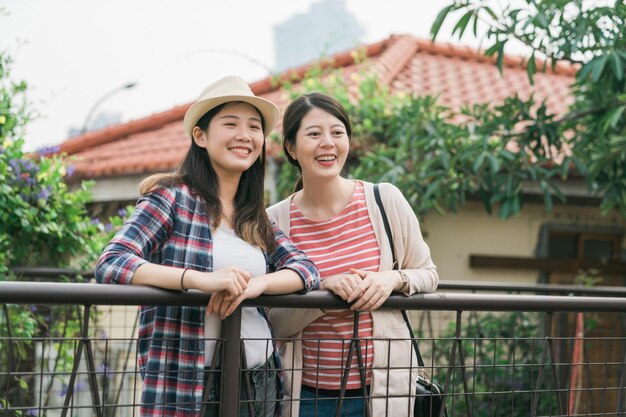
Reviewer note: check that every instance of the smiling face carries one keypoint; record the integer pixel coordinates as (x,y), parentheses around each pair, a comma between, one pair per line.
(321,146)
(233,140)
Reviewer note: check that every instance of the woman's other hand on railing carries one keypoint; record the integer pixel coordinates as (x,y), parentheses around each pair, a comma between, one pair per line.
(223,304)
(345,286)
(231,280)
(374,289)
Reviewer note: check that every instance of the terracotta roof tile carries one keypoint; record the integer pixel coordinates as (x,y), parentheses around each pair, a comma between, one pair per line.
(457,75)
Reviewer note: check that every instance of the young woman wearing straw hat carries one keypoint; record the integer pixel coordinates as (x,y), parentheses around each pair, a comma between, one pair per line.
(204,227)
(337,222)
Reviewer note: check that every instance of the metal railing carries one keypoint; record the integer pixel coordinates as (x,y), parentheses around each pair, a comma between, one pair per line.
(455,359)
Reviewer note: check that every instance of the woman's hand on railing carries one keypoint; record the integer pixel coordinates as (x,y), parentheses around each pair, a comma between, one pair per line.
(345,286)
(231,280)
(374,289)
(223,304)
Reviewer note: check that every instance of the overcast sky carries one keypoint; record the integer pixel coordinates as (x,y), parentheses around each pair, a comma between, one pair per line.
(72,52)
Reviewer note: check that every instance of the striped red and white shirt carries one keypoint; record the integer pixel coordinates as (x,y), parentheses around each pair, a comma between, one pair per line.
(335,245)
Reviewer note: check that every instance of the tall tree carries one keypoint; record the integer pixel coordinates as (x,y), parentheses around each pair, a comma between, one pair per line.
(592,37)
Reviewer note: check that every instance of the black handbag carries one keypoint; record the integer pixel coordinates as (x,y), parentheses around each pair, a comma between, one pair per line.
(429,396)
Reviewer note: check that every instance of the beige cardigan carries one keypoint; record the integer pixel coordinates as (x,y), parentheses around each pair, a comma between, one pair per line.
(414,258)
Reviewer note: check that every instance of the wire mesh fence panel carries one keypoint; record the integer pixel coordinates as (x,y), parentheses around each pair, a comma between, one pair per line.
(78,359)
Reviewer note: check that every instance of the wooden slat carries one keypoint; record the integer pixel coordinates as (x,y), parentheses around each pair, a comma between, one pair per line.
(546,264)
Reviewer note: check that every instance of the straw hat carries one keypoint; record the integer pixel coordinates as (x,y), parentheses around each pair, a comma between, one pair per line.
(223,91)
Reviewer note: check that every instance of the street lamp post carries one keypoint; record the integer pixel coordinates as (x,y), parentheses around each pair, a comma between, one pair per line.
(99,102)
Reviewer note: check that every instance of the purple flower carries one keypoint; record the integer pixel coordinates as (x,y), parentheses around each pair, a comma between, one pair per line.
(44,194)
(79,386)
(32,412)
(122,212)
(108,227)
(48,150)
(102,369)
(28,165)
(70,169)
(95,221)
(23,168)
(16,166)
(33,308)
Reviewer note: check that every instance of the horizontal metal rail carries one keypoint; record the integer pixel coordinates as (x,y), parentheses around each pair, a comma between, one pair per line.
(518,287)
(457,285)
(105,294)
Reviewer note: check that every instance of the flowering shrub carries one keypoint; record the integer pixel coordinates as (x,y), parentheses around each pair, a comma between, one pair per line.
(42,223)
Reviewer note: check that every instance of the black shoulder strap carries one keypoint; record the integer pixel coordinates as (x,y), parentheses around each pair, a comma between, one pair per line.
(379,202)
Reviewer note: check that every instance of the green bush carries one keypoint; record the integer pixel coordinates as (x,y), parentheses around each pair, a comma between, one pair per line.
(503,356)
(42,223)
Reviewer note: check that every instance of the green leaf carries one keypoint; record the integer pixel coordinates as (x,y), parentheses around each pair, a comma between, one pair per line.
(500,58)
(478,162)
(494,163)
(541,21)
(509,184)
(558,192)
(618,66)
(547,197)
(505,209)
(484,196)
(616,115)
(584,72)
(515,205)
(531,68)
(606,206)
(430,190)
(445,159)
(596,72)
(461,25)
(507,155)
(565,165)
(475,25)
(580,166)
(493,49)
(490,12)
(441,17)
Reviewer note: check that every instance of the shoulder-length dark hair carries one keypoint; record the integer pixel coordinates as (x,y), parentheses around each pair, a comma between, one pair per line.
(299,108)
(196,170)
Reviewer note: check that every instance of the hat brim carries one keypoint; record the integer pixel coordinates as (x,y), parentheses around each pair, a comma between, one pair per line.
(268,111)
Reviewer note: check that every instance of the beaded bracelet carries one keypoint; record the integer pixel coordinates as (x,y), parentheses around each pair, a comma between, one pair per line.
(182,287)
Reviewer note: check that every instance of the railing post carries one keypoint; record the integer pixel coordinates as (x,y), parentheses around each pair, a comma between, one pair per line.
(83,343)
(231,369)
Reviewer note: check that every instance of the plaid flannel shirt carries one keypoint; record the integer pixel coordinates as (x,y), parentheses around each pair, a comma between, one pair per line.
(170,226)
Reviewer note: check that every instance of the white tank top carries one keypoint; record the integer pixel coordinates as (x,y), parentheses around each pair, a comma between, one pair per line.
(230,250)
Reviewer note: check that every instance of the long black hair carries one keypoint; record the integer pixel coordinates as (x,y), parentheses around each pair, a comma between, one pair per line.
(196,170)
(299,108)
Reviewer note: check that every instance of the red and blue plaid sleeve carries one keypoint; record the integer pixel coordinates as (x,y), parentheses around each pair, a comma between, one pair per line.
(287,256)
(149,226)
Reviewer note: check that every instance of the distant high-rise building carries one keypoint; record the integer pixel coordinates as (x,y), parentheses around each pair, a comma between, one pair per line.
(327,28)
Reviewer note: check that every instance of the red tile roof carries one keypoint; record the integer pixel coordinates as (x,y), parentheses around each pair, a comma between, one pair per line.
(458,75)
